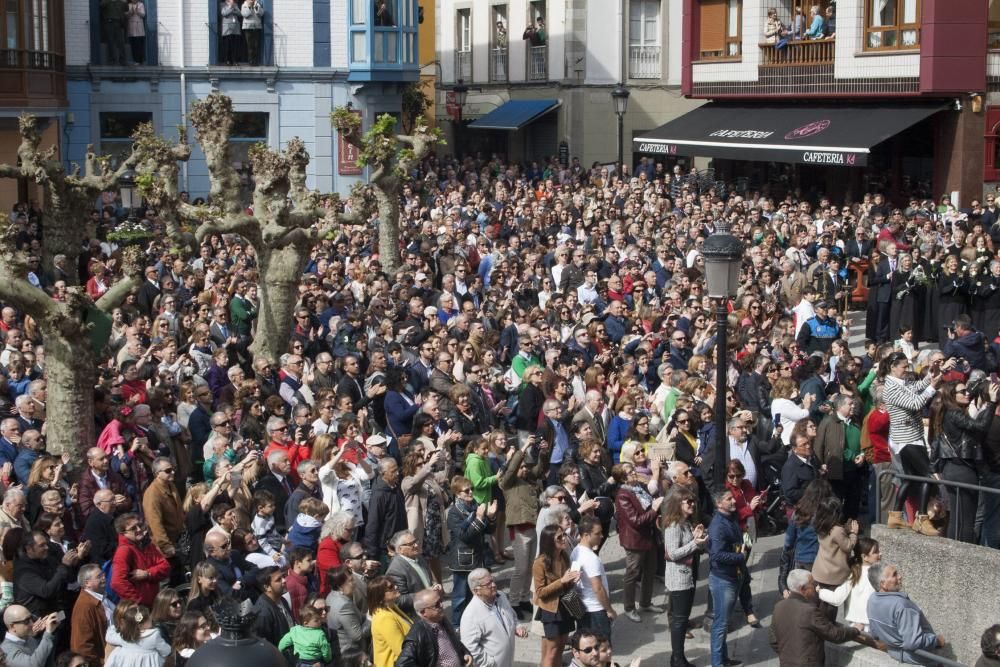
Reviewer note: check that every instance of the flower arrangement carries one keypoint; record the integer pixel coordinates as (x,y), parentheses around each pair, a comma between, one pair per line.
(130,232)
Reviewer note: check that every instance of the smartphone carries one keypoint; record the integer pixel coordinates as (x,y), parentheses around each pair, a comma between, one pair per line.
(777,419)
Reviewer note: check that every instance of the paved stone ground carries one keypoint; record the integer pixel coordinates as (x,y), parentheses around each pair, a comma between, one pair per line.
(651,638)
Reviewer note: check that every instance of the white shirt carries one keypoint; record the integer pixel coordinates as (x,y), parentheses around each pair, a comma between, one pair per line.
(590,566)
(741,452)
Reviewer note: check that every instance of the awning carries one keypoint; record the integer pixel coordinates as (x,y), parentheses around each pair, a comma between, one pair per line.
(515,114)
(826,135)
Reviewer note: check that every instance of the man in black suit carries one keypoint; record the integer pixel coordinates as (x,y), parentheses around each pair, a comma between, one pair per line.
(278,481)
(799,469)
(860,247)
(882,284)
(100,527)
(148,292)
(741,445)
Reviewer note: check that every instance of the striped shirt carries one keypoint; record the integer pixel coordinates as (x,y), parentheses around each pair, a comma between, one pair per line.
(905,403)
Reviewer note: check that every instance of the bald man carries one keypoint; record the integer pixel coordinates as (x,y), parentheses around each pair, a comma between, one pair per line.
(20,646)
(100,527)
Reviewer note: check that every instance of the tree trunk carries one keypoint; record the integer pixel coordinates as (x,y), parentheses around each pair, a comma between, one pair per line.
(281,270)
(71,372)
(386,195)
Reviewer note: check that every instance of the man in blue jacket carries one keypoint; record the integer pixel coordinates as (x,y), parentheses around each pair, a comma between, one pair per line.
(897,620)
(727,562)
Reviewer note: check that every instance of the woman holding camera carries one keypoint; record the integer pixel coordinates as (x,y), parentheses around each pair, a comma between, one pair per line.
(956,450)
(905,402)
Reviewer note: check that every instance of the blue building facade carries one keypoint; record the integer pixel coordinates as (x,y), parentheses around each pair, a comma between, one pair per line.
(315,55)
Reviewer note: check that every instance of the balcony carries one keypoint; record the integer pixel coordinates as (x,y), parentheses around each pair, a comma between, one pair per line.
(498,65)
(798,53)
(538,63)
(383,47)
(32,78)
(644,62)
(463,65)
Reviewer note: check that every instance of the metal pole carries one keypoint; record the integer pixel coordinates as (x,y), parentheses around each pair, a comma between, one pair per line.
(621,136)
(721,385)
(458,133)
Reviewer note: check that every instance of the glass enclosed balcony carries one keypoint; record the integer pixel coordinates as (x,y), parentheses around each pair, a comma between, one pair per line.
(382,40)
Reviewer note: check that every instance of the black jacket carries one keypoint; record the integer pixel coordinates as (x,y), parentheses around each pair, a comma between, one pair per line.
(420,645)
(271,624)
(751,389)
(795,477)
(386,517)
(100,530)
(962,437)
(467,548)
(39,584)
(271,483)
(235,569)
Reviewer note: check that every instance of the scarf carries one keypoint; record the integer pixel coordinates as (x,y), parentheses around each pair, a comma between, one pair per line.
(642,494)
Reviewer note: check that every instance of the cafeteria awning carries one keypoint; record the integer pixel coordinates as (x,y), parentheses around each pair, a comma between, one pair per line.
(515,114)
(804,134)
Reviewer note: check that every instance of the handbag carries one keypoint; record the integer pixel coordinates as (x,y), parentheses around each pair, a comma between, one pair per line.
(572,603)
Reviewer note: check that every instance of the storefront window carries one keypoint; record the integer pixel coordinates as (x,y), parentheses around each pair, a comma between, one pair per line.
(892,24)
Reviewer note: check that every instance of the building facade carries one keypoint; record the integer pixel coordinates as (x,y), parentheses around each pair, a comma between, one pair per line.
(934,61)
(586,48)
(32,79)
(311,56)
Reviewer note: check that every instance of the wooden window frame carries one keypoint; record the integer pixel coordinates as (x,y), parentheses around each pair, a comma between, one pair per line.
(898,28)
(728,40)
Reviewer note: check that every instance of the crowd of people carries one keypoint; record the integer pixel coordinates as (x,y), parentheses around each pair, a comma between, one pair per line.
(536,379)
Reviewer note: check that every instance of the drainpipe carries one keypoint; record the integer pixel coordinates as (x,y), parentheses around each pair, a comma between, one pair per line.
(183,40)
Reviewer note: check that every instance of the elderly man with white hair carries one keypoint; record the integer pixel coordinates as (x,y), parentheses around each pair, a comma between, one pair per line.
(12,510)
(26,418)
(799,629)
(896,619)
(489,623)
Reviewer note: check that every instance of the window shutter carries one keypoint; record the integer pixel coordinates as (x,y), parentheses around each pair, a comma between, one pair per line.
(713,26)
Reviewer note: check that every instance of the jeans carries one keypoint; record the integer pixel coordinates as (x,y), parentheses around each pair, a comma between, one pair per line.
(640,567)
(460,596)
(962,503)
(524,555)
(723,598)
(596,621)
(680,613)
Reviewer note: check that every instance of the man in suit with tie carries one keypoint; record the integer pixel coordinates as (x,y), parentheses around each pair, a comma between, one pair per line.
(408,570)
(882,284)
(858,248)
(592,413)
(149,291)
(277,480)
(799,469)
(222,334)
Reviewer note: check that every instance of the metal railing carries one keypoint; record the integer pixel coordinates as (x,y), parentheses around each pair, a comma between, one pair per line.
(947,662)
(798,52)
(644,62)
(498,64)
(24,59)
(463,65)
(538,63)
(930,480)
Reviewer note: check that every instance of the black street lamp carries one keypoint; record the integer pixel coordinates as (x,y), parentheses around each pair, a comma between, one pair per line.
(723,255)
(461,93)
(129,192)
(619,95)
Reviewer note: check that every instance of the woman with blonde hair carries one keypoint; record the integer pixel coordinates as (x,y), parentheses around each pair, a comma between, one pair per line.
(204,588)
(44,476)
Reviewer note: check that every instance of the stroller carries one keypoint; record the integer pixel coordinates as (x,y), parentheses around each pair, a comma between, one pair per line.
(774,519)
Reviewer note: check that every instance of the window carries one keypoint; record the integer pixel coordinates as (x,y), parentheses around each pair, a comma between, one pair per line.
(991,152)
(463,44)
(10,25)
(892,24)
(249,129)
(994,25)
(116,132)
(644,39)
(239,49)
(721,29)
(499,44)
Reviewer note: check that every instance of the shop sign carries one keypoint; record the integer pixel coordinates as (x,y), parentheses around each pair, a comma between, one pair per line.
(822,157)
(657,148)
(348,154)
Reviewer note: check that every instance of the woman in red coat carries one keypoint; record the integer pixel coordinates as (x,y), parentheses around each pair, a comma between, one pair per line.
(337,531)
(636,513)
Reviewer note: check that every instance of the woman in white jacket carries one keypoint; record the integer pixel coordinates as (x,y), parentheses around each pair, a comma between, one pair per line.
(784,393)
(857,589)
(341,482)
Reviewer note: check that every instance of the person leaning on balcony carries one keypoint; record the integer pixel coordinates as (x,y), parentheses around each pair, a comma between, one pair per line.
(253,14)
(830,26)
(773,28)
(815,30)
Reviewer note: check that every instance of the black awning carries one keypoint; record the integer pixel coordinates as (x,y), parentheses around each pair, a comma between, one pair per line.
(823,135)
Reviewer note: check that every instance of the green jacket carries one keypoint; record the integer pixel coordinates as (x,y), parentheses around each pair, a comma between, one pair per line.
(241,314)
(480,474)
(309,644)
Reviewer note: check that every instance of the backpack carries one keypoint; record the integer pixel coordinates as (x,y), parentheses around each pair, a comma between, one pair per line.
(109,593)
